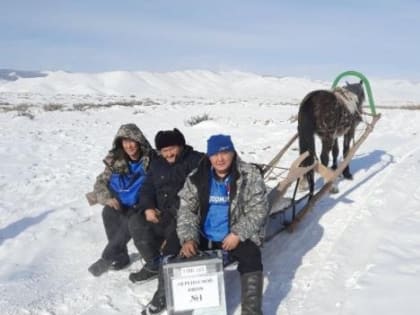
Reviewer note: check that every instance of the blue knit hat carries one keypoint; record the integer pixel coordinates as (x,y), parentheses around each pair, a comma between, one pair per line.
(219,143)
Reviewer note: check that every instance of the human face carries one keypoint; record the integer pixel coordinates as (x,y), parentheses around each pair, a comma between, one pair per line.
(222,162)
(132,148)
(171,153)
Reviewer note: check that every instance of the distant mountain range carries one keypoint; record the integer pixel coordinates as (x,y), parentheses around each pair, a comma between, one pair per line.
(13,75)
(188,83)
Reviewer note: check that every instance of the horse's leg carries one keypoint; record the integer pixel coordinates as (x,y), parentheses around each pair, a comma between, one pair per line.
(327,144)
(311,182)
(335,154)
(346,146)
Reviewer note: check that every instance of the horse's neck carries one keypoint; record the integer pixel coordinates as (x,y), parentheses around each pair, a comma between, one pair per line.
(348,99)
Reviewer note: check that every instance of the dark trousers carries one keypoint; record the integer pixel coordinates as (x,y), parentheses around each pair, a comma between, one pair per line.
(148,237)
(118,235)
(247,254)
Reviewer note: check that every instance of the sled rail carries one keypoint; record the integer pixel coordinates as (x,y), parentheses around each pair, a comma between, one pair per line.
(267,169)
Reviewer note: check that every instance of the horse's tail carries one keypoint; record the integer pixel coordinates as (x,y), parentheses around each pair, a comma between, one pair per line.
(306,132)
(306,129)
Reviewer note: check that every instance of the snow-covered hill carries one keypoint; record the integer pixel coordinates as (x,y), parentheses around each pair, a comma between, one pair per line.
(64,87)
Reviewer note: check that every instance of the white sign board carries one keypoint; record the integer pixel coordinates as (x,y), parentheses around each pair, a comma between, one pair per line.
(195,292)
(193,270)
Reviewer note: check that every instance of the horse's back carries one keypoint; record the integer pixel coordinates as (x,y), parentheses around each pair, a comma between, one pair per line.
(315,102)
(318,97)
(327,114)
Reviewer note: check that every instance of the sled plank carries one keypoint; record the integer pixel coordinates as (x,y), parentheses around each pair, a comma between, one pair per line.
(270,166)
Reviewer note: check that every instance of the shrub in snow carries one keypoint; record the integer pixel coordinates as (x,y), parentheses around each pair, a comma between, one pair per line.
(194,120)
(26,114)
(53,107)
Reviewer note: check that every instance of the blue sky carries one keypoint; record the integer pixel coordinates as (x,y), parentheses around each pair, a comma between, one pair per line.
(318,39)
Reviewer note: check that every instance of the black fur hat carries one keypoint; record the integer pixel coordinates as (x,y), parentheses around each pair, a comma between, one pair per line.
(166,138)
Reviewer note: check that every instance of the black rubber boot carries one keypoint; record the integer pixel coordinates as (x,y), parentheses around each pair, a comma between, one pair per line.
(99,267)
(158,303)
(120,262)
(251,293)
(150,253)
(148,272)
(102,265)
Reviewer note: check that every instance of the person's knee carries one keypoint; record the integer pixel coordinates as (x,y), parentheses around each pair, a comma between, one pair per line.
(133,223)
(108,213)
(137,224)
(249,259)
(171,245)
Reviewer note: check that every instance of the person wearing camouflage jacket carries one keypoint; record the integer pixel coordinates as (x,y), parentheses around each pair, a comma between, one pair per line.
(247,203)
(117,188)
(223,205)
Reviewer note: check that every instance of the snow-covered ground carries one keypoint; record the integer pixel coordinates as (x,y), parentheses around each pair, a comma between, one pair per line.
(357,252)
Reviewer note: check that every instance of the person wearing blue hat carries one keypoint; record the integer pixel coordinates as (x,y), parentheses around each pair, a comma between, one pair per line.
(223,205)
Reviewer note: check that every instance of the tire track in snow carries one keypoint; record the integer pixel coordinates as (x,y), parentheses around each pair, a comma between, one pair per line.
(329,269)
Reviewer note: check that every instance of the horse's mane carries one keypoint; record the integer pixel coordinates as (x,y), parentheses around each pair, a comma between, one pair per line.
(347,98)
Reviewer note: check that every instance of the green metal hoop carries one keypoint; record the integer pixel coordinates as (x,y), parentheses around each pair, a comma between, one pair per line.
(365,83)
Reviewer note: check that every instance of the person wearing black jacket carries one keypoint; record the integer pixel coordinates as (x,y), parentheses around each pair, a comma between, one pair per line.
(159,202)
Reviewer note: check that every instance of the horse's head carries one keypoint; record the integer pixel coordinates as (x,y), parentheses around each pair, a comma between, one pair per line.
(357,89)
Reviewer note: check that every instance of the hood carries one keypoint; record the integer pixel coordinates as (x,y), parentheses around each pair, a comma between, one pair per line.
(131,131)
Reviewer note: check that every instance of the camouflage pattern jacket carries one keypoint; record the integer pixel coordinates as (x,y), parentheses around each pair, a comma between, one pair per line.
(248,208)
(116,162)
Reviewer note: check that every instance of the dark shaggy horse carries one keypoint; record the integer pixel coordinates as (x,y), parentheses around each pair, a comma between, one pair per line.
(329,114)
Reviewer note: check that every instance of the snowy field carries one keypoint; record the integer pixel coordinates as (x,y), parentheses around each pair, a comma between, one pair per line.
(356,252)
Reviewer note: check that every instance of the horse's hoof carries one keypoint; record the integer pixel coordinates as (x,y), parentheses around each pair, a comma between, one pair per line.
(303,185)
(348,176)
(334,190)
